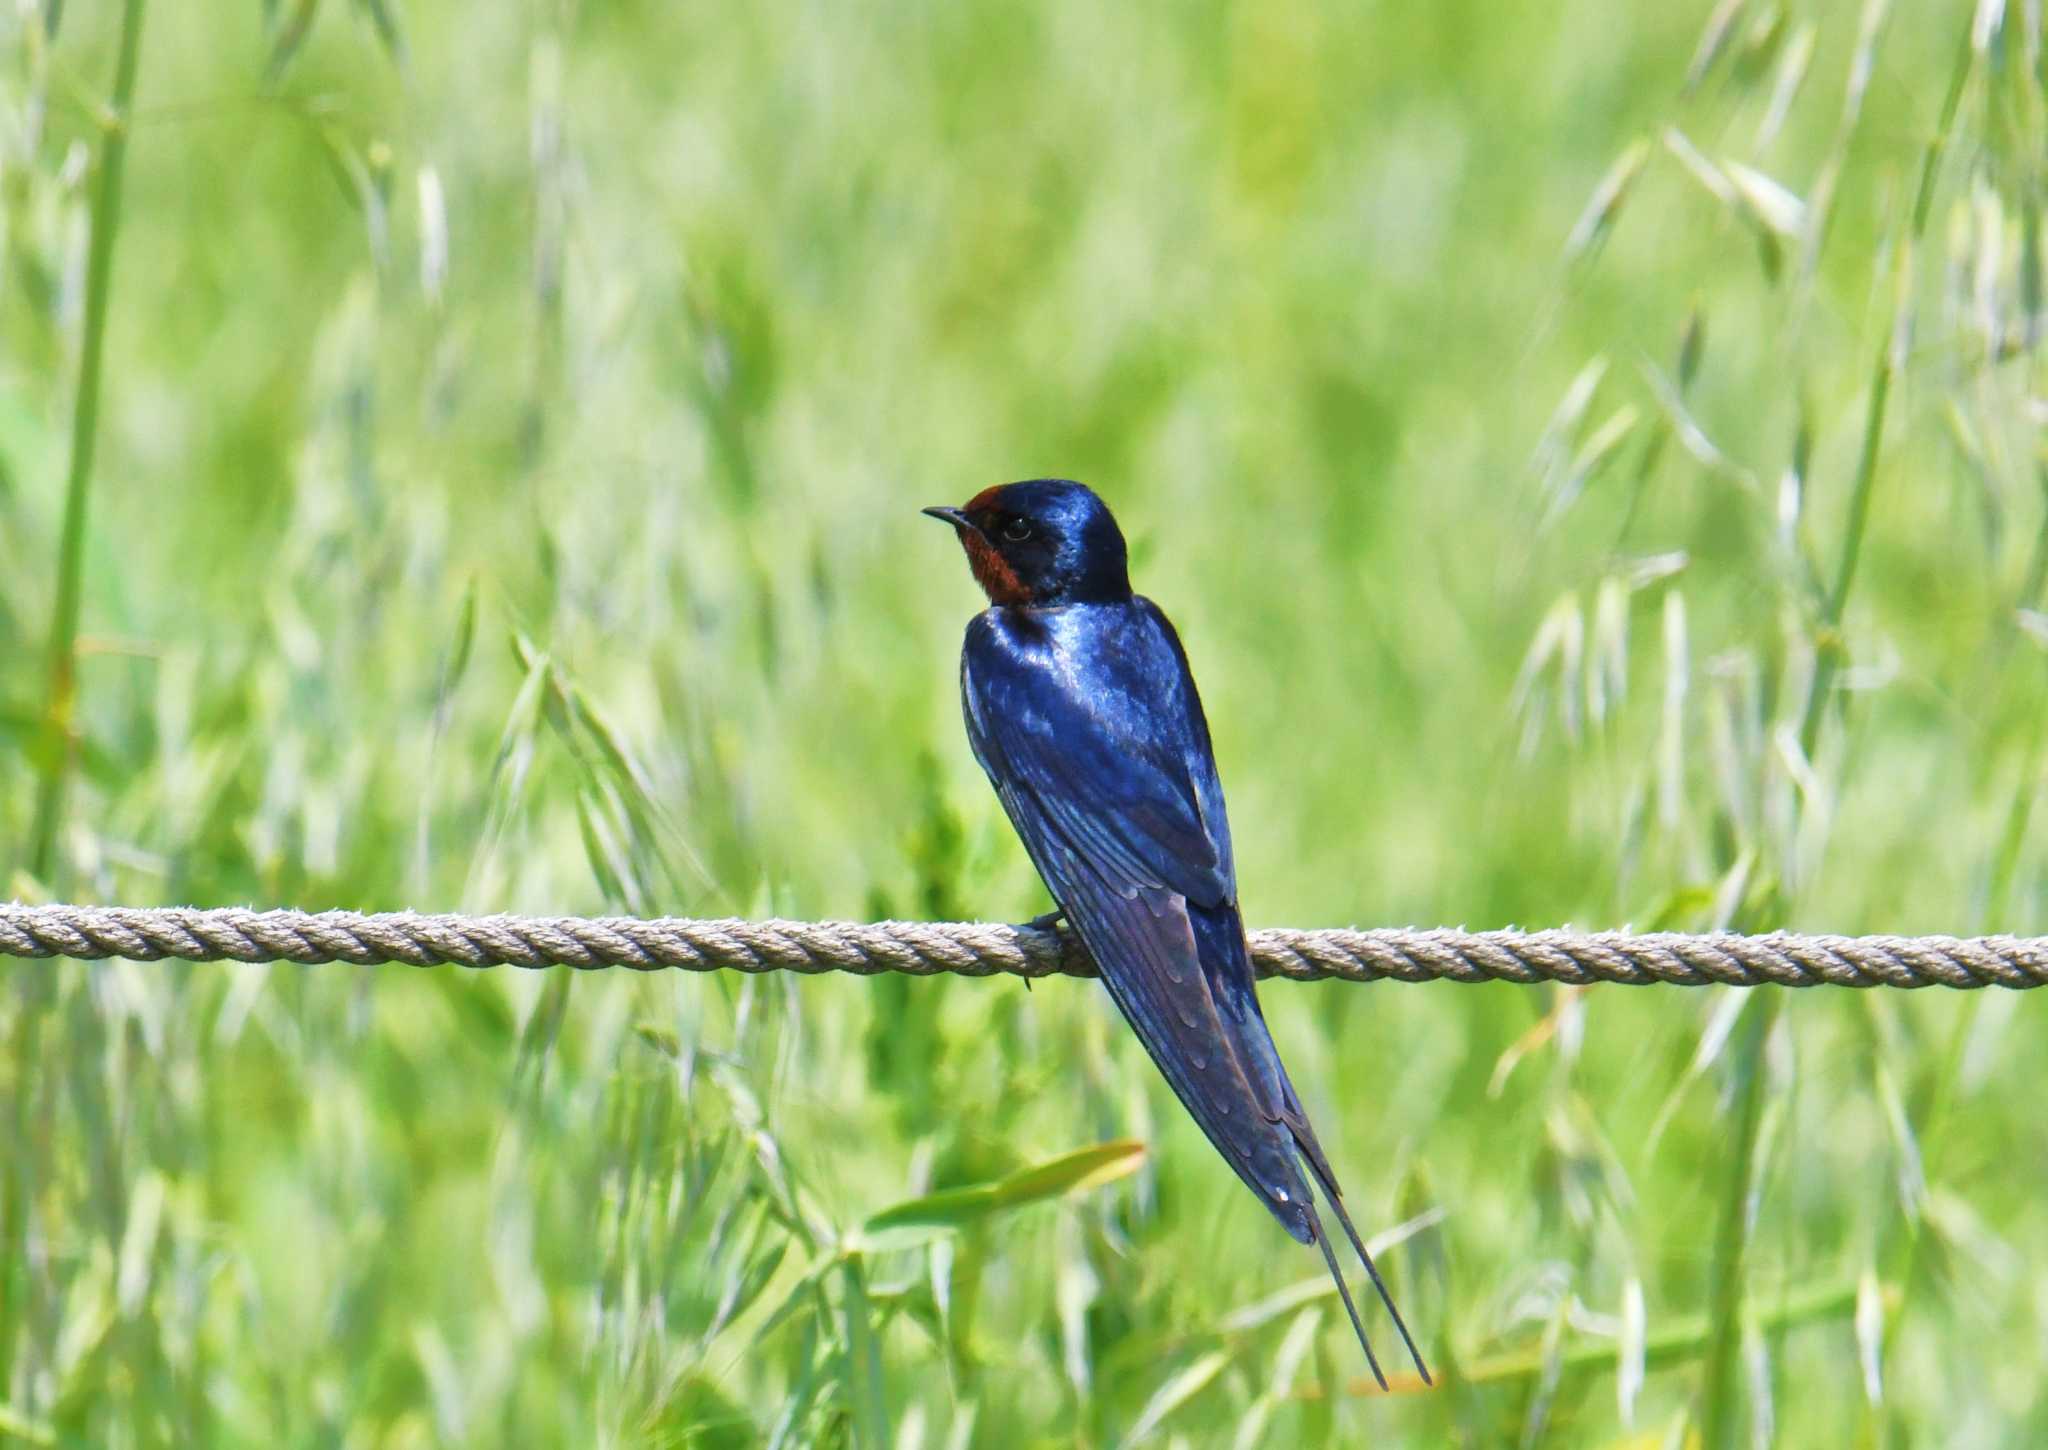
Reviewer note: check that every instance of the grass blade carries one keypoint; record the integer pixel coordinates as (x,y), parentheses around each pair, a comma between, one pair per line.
(61,720)
(1179,1388)
(1721,1418)
(862,1362)
(918,1220)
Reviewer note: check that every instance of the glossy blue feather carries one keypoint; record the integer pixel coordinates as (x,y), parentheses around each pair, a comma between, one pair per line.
(1081,708)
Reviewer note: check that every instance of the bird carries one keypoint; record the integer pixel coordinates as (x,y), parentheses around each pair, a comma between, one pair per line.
(1082,710)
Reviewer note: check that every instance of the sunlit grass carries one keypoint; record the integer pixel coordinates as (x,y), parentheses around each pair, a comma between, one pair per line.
(1590,452)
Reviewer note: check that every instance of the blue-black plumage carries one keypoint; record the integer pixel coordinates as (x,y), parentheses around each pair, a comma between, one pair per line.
(1081,708)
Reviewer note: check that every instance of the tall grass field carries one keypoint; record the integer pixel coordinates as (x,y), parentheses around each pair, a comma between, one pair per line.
(466,457)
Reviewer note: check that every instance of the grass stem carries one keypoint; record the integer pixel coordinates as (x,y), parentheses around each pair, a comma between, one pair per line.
(1731,1239)
(1680,1342)
(1831,650)
(61,716)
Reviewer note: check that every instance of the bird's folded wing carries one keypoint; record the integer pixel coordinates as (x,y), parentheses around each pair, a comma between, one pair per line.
(1131,794)
(1142,942)
(1123,846)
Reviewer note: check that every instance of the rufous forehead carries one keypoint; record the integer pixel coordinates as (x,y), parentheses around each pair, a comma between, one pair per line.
(988,498)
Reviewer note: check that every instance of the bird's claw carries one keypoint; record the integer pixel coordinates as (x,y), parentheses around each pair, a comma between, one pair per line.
(1045,921)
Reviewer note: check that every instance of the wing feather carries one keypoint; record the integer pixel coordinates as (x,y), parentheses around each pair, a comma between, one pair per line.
(1113,790)
(1116,827)
(1114,793)
(1116,778)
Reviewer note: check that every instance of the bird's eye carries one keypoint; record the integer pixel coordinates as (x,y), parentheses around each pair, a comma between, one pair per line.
(1016,531)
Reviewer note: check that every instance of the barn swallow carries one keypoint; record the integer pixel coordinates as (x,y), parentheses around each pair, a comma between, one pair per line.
(1081,708)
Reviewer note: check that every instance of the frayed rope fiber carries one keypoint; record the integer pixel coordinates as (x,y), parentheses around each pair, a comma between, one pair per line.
(974,949)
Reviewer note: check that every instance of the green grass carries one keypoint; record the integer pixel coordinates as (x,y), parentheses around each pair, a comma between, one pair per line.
(1591,452)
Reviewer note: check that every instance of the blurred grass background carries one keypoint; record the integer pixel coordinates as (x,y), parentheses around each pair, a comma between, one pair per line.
(1589,449)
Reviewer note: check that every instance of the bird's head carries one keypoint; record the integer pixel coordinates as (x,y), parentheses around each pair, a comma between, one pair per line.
(1042,543)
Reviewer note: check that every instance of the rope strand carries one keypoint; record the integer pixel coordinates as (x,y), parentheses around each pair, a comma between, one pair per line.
(975,949)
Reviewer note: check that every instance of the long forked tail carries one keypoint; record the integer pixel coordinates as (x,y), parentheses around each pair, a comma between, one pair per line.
(1336,1202)
(1344,1292)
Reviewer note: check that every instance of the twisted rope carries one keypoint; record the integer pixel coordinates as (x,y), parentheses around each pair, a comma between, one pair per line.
(974,949)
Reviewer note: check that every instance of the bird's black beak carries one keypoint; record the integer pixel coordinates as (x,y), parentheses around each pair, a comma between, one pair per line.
(956,517)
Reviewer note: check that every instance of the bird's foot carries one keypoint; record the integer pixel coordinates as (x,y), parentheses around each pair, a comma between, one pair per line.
(1047,921)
